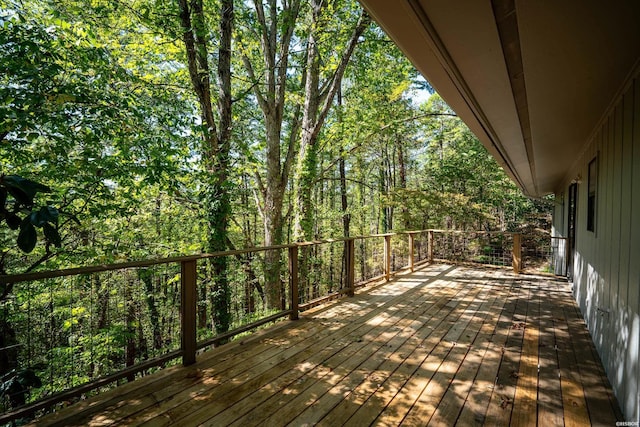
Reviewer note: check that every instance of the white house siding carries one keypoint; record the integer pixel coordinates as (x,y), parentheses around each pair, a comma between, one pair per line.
(607,262)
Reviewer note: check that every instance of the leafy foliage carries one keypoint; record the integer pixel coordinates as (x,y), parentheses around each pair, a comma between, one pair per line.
(17,197)
(15,384)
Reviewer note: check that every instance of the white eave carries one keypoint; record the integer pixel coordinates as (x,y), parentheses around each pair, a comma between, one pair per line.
(532,79)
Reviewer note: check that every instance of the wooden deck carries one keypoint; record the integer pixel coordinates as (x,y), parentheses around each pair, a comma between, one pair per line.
(445,345)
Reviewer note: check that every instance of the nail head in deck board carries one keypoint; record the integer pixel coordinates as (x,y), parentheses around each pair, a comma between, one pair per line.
(387,312)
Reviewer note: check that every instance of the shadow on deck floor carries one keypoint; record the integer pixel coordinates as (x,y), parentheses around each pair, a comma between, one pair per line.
(444,345)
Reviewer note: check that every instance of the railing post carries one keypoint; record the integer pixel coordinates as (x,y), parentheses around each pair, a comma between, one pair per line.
(293,282)
(430,245)
(387,257)
(411,251)
(188,301)
(517,253)
(350,267)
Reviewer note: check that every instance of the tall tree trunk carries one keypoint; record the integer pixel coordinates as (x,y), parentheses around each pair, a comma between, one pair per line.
(216,138)
(319,97)
(249,303)
(130,329)
(382,186)
(275,22)
(344,201)
(273,235)
(154,316)
(402,172)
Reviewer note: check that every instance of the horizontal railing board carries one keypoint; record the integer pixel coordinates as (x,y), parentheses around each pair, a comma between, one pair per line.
(99,268)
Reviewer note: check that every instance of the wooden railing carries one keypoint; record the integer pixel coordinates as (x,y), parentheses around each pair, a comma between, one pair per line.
(39,293)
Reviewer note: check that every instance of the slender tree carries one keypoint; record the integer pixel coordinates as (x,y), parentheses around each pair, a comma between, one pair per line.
(319,95)
(267,65)
(216,131)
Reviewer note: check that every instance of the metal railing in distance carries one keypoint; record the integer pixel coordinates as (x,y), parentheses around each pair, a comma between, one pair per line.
(492,248)
(421,246)
(72,330)
(368,258)
(542,253)
(400,251)
(321,272)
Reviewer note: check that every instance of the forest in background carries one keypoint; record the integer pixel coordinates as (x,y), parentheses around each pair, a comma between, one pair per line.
(98,105)
(139,129)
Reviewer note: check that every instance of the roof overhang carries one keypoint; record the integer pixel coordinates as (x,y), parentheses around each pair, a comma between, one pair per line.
(531,79)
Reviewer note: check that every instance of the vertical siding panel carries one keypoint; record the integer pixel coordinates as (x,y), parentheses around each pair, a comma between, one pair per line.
(600,145)
(624,311)
(601,265)
(598,278)
(616,348)
(633,297)
(595,282)
(597,250)
(605,268)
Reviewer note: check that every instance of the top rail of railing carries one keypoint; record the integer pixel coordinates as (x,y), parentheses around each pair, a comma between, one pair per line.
(99,268)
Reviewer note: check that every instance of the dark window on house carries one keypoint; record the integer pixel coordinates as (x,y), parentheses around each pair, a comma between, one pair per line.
(591,197)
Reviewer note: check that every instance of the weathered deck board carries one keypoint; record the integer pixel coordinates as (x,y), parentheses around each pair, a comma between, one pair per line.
(433,396)
(550,392)
(290,401)
(525,401)
(459,391)
(445,345)
(383,366)
(597,391)
(480,394)
(418,370)
(501,404)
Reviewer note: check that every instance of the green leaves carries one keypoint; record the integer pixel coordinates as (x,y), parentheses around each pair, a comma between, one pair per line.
(27,237)
(22,189)
(23,192)
(16,383)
